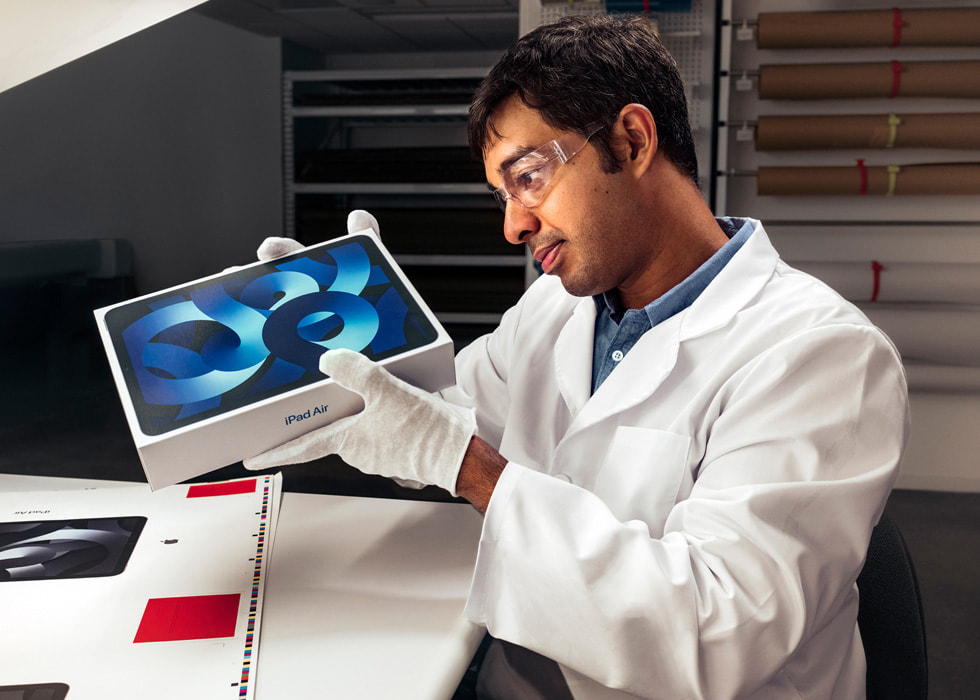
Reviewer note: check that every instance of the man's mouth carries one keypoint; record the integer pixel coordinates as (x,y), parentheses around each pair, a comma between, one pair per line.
(547,255)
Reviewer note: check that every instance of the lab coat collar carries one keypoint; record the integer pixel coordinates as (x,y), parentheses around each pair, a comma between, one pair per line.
(573,356)
(733,288)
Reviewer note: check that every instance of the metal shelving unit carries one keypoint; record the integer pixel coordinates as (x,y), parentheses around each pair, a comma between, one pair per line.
(393,142)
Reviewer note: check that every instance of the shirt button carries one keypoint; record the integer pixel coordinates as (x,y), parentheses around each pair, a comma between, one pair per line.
(617,355)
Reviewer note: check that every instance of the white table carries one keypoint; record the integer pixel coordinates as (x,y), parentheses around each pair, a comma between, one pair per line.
(363,597)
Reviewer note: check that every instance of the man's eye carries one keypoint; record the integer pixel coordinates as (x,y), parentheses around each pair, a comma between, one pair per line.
(529,179)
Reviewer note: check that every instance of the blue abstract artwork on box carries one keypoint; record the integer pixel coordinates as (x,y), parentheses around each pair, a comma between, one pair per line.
(210,347)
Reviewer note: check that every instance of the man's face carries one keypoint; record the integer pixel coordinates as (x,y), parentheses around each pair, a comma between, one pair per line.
(584,229)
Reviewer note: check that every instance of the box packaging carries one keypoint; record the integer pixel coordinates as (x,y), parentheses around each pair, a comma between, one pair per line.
(226,367)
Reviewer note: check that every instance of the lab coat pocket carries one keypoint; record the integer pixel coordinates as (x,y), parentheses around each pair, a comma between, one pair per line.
(642,473)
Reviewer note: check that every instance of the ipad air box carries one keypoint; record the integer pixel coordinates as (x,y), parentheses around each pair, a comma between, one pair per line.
(226,367)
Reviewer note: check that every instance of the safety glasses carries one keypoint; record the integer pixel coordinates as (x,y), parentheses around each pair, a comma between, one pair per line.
(528,179)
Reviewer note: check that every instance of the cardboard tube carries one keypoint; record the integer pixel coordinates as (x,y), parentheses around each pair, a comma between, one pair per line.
(939,283)
(941,336)
(816,81)
(809,30)
(816,132)
(944,379)
(928,179)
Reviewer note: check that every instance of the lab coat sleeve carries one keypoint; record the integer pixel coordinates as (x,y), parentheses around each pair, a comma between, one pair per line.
(758,561)
(482,374)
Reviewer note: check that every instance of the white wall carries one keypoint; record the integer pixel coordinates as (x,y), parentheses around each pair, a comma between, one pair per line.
(170,138)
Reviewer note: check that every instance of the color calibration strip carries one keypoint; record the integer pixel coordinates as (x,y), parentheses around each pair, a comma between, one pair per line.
(253,602)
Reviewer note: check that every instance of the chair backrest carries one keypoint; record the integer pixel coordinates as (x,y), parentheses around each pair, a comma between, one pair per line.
(890,618)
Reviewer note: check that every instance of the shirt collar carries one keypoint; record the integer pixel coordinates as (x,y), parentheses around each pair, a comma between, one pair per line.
(737,230)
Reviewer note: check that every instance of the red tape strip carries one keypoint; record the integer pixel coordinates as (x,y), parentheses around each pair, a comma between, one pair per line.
(897,69)
(897,24)
(876,268)
(222,488)
(863,172)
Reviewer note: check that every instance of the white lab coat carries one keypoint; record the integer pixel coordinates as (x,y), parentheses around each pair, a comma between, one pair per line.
(695,528)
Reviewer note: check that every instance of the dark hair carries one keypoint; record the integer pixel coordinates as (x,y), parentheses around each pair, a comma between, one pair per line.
(578,73)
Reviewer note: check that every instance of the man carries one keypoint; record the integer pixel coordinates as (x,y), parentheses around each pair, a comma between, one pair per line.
(680,444)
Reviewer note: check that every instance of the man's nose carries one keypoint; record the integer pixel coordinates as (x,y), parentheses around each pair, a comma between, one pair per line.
(519,223)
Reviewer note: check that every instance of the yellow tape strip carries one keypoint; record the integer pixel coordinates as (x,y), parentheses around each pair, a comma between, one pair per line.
(893,171)
(893,123)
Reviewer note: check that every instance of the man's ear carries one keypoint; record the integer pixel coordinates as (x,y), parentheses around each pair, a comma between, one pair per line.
(639,137)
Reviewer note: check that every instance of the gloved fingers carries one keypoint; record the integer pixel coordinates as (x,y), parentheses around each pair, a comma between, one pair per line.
(363,376)
(321,442)
(359,220)
(276,247)
(347,367)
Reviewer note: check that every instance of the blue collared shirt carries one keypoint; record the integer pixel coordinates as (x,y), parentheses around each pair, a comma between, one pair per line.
(618,329)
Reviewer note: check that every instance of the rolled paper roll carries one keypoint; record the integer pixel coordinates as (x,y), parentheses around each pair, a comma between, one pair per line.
(939,337)
(945,379)
(920,179)
(818,81)
(823,132)
(894,27)
(940,283)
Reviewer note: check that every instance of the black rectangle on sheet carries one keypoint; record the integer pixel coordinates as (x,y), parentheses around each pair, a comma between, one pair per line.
(67,549)
(34,691)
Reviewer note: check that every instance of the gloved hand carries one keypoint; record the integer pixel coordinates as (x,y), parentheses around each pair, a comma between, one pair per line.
(275,247)
(403,432)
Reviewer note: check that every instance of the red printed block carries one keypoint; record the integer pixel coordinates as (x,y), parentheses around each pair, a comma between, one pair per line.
(227,488)
(192,617)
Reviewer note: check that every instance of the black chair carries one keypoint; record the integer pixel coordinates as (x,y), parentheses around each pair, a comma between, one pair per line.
(890,618)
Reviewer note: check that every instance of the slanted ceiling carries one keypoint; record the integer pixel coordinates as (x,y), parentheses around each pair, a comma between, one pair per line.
(376,26)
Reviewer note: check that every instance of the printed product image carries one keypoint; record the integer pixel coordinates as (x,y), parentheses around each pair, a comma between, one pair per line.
(212,346)
(63,549)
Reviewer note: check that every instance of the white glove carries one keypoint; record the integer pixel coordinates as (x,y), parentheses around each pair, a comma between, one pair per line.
(359,220)
(275,247)
(403,432)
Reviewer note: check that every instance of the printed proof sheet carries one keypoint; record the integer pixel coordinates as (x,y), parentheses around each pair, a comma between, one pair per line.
(120,592)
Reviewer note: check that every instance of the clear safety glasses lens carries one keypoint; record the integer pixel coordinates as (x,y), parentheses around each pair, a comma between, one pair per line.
(527,181)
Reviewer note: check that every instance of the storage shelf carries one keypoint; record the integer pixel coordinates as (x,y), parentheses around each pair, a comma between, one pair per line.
(387,75)
(394,142)
(387,188)
(464,260)
(481,318)
(382,111)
